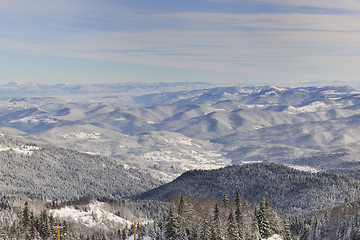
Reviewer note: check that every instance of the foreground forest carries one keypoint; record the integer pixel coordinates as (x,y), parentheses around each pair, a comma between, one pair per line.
(183,218)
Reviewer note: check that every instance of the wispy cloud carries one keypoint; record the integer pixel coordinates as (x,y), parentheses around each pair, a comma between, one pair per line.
(301,43)
(297,21)
(334,4)
(321,4)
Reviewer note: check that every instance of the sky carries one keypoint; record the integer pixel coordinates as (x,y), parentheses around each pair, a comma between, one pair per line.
(218,41)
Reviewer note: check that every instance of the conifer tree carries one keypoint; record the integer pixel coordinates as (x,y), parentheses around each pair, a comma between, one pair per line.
(272,216)
(225,201)
(124,233)
(232,231)
(205,233)
(286,226)
(181,207)
(304,234)
(26,221)
(263,221)
(26,216)
(216,214)
(172,226)
(216,220)
(238,215)
(44,228)
(2,234)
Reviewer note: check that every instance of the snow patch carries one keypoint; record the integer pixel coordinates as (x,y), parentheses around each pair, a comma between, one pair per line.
(119,119)
(92,215)
(273,237)
(303,168)
(250,162)
(255,106)
(24,149)
(316,106)
(181,140)
(82,135)
(144,238)
(34,120)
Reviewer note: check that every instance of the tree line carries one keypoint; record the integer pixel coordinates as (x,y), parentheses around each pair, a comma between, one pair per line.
(209,219)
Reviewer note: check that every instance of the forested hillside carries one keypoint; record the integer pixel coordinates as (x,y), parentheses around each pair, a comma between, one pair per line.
(49,172)
(292,191)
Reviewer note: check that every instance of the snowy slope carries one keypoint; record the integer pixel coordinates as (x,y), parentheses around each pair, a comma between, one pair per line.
(93,215)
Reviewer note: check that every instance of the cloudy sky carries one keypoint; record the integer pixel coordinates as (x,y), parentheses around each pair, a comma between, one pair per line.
(230,41)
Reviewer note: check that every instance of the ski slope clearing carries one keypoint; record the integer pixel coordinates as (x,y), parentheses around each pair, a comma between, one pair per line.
(92,215)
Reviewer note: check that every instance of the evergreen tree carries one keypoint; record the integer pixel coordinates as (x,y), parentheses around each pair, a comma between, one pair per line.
(181,206)
(356,227)
(32,230)
(304,234)
(206,233)
(216,220)
(216,214)
(26,216)
(232,231)
(263,221)
(124,233)
(172,226)
(286,226)
(225,201)
(53,231)
(2,234)
(238,215)
(44,228)
(272,216)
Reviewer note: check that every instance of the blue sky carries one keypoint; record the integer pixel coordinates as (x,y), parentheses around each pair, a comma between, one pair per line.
(229,41)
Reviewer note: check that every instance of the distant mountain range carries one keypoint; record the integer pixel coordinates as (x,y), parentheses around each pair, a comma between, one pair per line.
(28,89)
(199,126)
(168,129)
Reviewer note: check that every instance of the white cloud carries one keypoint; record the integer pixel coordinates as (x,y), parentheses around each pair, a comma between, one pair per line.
(322,4)
(334,4)
(273,21)
(239,43)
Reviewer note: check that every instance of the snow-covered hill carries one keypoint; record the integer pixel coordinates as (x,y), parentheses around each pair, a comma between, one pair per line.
(49,172)
(198,126)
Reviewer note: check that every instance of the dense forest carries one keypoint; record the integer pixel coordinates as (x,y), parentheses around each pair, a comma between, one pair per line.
(228,220)
(248,202)
(293,192)
(184,217)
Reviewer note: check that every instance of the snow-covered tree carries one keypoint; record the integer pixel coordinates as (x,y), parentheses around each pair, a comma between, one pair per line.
(172,225)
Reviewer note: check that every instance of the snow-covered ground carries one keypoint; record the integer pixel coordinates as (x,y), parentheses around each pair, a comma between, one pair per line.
(316,106)
(274,237)
(82,135)
(145,238)
(92,215)
(34,119)
(24,149)
(303,168)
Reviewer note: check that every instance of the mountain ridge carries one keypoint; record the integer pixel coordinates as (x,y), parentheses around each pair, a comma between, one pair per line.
(292,191)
